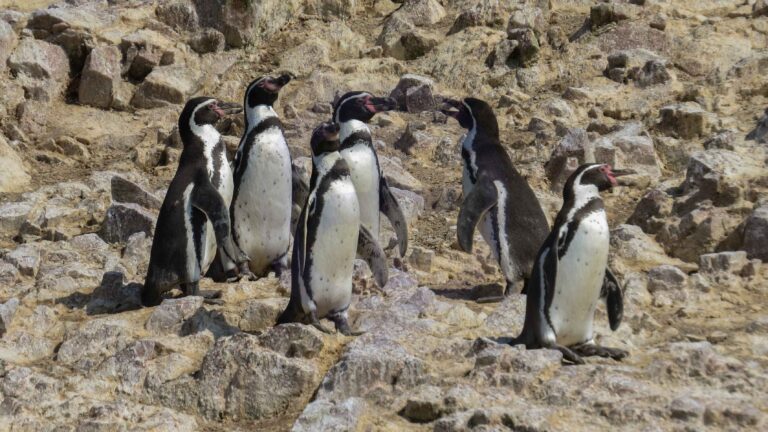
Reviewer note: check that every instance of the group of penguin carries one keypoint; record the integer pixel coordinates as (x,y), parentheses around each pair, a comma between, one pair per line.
(234,221)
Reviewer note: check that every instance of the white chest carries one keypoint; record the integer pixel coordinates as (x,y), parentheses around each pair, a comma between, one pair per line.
(579,280)
(365,176)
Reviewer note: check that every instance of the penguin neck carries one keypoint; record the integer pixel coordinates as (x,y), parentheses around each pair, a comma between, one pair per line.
(208,136)
(580,196)
(257,114)
(324,162)
(352,127)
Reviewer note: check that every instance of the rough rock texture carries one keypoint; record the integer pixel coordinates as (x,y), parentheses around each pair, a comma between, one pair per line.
(90,94)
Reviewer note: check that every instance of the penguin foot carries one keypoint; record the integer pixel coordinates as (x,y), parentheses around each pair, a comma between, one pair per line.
(211,297)
(592,350)
(342,324)
(569,355)
(316,324)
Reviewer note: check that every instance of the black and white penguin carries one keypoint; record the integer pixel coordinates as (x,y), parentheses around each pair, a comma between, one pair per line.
(261,204)
(194,218)
(352,111)
(496,196)
(328,236)
(571,272)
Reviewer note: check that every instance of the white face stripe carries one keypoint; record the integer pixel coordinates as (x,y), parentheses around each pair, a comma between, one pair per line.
(469,139)
(364,94)
(207,134)
(251,87)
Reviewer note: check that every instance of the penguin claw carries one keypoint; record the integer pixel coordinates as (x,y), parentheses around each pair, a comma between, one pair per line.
(321,327)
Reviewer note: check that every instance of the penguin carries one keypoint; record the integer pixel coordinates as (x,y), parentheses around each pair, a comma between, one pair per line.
(327,238)
(496,196)
(194,217)
(352,111)
(261,203)
(571,272)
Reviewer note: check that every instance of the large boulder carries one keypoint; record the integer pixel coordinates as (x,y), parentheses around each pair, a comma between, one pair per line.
(100,77)
(180,15)
(166,85)
(13,175)
(43,68)
(8,42)
(247,22)
(124,220)
(756,234)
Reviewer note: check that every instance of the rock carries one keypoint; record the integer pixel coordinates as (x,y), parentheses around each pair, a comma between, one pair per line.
(246,24)
(421,259)
(760,8)
(686,120)
(293,340)
(113,295)
(13,215)
(526,51)
(700,230)
(760,132)
(425,406)
(421,93)
(295,59)
(728,262)
(756,234)
(331,8)
(390,38)
(603,13)
(630,146)
(398,177)
(261,314)
(100,77)
(370,365)
(668,284)
(422,12)
(166,85)
(573,150)
(652,73)
(26,258)
(171,315)
(529,17)
(40,60)
(126,191)
(129,366)
(8,42)
(7,311)
(123,220)
(96,340)
(330,416)
(9,274)
(241,380)
(644,67)
(180,15)
(686,409)
(410,139)
(14,177)
(717,175)
(651,211)
(207,41)
(411,203)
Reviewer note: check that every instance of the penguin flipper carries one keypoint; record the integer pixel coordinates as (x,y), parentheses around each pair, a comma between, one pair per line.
(391,209)
(208,200)
(293,312)
(477,202)
(368,248)
(614,300)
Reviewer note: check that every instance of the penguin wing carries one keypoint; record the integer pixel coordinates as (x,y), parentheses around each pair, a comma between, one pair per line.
(391,209)
(368,248)
(614,300)
(207,199)
(482,197)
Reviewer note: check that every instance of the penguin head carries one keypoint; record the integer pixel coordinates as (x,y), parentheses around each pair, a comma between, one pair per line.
(201,111)
(362,106)
(264,90)
(600,176)
(471,113)
(325,139)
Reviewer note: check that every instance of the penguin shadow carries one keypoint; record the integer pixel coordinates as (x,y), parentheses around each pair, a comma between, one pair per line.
(113,295)
(485,293)
(584,29)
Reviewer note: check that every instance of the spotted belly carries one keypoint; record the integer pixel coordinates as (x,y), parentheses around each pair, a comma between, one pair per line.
(580,274)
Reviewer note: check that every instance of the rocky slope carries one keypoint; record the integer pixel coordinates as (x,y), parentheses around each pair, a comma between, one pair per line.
(90,92)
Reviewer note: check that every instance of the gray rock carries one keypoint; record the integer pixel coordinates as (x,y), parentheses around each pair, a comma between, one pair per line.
(207,41)
(7,311)
(166,85)
(756,234)
(129,366)
(330,416)
(180,15)
(123,220)
(686,120)
(422,12)
(573,150)
(669,282)
(372,364)
(26,258)
(425,406)
(410,140)
(411,203)
(247,24)
(728,262)
(654,72)
(100,77)
(293,340)
(421,89)
(526,51)
(241,380)
(171,315)
(603,14)
(93,342)
(126,191)
(760,8)
(417,43)
(9,274)
(8,42)
(760,132)
(398,177)
(651,211)
(719,176)
(421,259)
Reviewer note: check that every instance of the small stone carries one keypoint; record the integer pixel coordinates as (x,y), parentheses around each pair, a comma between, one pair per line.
(207,41)
(293,340)
(756,234)
(26,258)
(329,416)
(717,337)
(407,82)
(686,409)
(421,259)
(728,262)
(180,15)
(126,191)
(7,311)
(686,120)
(260,314)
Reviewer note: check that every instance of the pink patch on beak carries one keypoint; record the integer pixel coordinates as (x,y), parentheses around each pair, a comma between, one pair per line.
(371,107)
(606,169)
(271,86)
(218,110)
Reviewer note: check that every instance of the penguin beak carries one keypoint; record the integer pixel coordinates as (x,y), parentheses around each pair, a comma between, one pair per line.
(226,108)
(378,104)
(621,173)
(274,85)
(450,107)
(284,79)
